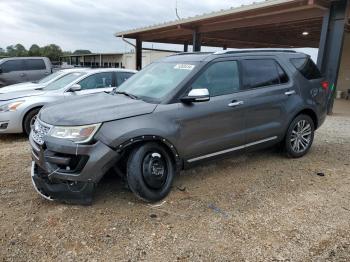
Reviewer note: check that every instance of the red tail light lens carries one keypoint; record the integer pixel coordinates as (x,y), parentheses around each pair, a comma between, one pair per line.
(325,85)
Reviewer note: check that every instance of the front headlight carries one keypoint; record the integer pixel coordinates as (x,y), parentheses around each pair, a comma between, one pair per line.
(10,107)
(78,134)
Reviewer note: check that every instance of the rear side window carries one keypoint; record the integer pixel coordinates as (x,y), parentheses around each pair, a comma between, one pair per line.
(221,78)
(123,76)
(306,67)
(99,80)
(12,65)
(262,72)
(34,64)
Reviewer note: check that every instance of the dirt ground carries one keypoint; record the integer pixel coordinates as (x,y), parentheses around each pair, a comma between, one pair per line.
(257,207)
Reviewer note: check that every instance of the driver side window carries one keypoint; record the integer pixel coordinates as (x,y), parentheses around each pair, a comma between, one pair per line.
(220,78)
(100,80)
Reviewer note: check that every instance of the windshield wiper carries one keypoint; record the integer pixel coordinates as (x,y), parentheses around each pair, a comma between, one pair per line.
(39,88)
(126,94)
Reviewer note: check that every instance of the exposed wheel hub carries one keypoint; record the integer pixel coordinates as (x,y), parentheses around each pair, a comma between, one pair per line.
(154,170)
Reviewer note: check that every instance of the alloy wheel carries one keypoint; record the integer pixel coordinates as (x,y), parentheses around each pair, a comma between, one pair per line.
(301,136)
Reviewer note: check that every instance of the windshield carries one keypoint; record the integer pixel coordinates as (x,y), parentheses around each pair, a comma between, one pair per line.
(49,77)
(157,80)
(63,81)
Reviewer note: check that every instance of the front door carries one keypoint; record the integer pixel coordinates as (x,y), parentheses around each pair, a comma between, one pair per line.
(214,127)
(96,83)
(13,71)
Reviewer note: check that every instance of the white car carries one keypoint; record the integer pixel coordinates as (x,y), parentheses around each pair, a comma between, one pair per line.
(39,84)
(18,110)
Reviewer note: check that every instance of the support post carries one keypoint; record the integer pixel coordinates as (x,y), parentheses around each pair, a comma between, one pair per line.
(224,47)
(197,42)
(186,47)
(100,65)
(331,45)
(138,54)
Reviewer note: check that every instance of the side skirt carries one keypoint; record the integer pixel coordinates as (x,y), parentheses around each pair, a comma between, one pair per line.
(231,149)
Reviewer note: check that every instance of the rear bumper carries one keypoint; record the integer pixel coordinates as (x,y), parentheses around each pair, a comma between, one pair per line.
(65,171)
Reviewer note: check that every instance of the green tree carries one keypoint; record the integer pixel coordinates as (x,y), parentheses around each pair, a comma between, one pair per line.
(10,50)
(34,50)
(52,51)
(81,52)
(21,50)
(17,50)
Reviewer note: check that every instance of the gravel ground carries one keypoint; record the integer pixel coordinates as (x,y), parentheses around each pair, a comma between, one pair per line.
(257,207)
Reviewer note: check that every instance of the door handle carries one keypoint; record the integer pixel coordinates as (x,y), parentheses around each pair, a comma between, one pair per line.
(235,103)
(22,74)
(289,93)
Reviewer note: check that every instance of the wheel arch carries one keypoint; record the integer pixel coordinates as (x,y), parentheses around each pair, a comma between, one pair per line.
(28,111)
(309,112)
(128,145)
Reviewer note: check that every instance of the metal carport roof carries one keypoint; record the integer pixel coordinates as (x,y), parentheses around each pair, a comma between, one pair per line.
(274,23)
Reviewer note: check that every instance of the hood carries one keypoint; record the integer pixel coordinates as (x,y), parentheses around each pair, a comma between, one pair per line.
(92,109)
(19,87)
(20,94)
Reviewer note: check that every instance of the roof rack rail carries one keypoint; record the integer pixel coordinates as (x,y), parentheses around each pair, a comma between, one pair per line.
(253,51)
(192,53)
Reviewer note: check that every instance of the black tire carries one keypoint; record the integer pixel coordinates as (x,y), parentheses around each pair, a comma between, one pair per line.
(29,119)
(150,172)
(305,138)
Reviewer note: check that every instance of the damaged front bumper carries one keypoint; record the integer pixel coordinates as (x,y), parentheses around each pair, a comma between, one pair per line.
(68,172)
(64,191)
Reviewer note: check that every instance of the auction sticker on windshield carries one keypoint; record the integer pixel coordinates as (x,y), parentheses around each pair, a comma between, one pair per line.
(184,66)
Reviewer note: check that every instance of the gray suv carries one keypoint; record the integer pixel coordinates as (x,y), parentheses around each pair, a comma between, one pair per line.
(15,70)
(182,110)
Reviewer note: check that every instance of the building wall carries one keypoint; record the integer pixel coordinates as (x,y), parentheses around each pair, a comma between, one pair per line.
(344,71)
(127,60)
(148,56)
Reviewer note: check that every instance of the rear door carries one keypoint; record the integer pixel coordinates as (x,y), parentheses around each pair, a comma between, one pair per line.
(214,127)
(13,71)
(268,91)
(35,69)
(99,82)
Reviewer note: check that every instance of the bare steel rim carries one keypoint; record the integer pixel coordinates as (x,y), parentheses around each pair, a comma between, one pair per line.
(301,136)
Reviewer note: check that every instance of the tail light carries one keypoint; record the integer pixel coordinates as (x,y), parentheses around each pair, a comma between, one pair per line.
(325,85)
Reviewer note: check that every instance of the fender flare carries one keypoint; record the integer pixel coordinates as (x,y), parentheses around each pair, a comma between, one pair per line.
(147,138)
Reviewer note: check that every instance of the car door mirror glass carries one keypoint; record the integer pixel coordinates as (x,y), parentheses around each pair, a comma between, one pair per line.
(197,95)
(75,88)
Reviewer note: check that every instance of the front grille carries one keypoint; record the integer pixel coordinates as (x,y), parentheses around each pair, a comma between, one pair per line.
(39,131)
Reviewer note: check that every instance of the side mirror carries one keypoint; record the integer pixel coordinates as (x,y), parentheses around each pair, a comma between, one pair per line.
(75,88)
(0,70)
(196,95)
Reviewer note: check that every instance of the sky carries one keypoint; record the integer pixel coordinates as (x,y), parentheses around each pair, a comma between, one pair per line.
(90,24)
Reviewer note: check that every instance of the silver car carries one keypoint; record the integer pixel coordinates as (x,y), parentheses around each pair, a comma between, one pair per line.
(18,110)
(40,83)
